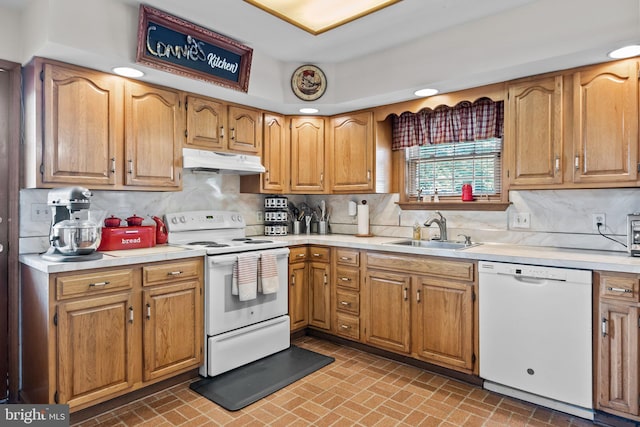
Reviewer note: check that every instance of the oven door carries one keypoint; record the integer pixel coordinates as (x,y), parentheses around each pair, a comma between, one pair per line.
(224,311)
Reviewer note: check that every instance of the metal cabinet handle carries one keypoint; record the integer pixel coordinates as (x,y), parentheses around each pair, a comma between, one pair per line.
(603,326)
(148,311)
(130,166)
(221,132)
(345,326)
(99,283)
(316,255)
(325,279)
(345,258)
(174,273)
(624,290)
(345,303)
(293,279)
(233,133)
(266,175)
(368,175)
(404,293)
(300,256)
(577,162)
(557,163)
(130,314)
(322,178)
(345,279)
(418,295)
(113,165)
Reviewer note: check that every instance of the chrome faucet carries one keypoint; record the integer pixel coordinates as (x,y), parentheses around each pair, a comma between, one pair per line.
(442,224)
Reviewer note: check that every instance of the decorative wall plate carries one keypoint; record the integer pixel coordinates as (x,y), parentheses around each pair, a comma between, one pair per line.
(308,82)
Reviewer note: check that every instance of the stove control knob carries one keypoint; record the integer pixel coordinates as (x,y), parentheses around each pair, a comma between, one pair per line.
(183,219)
(174,220)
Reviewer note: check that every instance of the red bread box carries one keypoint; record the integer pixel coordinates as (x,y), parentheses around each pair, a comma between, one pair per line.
(118,238)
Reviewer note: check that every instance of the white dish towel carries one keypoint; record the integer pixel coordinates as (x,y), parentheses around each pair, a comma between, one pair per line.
(245,277)
(268,273)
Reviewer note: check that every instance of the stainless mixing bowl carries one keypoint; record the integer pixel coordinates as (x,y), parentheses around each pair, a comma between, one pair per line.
(76,237)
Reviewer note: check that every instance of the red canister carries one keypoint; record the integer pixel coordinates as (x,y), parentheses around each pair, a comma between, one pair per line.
(467,192)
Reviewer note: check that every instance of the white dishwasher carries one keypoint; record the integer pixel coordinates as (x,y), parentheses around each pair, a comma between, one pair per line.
(535,334)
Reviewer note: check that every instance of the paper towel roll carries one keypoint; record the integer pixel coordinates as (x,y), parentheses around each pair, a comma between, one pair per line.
(363,219)
(353,208)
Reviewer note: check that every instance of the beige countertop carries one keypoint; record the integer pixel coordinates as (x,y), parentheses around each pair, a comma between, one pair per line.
(518,254)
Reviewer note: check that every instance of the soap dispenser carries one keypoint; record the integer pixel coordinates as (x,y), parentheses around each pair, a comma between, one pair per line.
(417,231)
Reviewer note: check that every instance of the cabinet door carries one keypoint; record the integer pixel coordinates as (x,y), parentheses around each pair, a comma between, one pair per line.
(82,126)
(605,123)
(275,154)
(245,130)
(173,328)
(352,153)
(154,128)
(298,295)
(618,358)
(206,119)
(535,132)
(319,295)
(307,155)
(444,322)
(387,311)
(95,356)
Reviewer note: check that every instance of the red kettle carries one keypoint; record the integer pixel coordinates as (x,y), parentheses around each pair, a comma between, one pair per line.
(161,231)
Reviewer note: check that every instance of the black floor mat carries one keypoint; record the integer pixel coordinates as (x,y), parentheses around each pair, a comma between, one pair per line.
(242,386)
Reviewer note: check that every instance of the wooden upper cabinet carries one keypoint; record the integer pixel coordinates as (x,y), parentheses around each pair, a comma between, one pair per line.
(535,131)
(605,123)
(154,131)
(275,154)
(245,130)
(82,126)
(206,121)
(307,155)
(351,153)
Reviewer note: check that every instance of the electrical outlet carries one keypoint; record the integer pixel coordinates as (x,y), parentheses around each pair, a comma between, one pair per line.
(598,218)
(522,220)
(259,217)
(40,212)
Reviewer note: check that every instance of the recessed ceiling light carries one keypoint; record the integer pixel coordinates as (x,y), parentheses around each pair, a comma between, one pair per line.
(425,92)
(128,72)
(625,52)
(308,110)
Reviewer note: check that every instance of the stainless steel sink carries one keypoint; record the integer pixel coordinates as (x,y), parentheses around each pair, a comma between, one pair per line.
(434,244)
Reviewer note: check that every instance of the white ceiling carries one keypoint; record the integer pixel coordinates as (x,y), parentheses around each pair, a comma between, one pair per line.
(378,59)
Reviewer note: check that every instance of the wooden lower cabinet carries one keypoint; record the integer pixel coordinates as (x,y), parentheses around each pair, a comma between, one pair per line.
(93,335)
(616,328)
(346,285)
(319,294)
(298,288)
(423,307)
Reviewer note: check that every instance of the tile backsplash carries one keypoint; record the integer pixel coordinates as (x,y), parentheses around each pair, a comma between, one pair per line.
(560,218)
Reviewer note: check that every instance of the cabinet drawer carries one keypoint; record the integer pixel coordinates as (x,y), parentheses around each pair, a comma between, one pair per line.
(348,326)
(94,282)
(347,257)
(348,302)
(619,286)
(298,254)
(319,253)
(169,271)
(348,278)
(441,267)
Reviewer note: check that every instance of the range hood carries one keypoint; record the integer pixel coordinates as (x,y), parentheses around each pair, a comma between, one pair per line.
(229,163)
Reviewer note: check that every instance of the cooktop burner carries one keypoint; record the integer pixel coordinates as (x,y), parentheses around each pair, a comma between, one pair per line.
(208,244)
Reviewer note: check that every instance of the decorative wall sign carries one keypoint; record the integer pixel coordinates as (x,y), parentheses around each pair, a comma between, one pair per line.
(180,47)
(308,82)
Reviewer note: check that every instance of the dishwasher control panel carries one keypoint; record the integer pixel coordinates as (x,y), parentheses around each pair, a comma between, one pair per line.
(530,271)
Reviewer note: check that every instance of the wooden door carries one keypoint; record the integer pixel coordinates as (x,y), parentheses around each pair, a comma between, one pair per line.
(275,155)
(245,130)
(206,119)
(10,101)
(388,309)
(307,155)
(443,328)
(95,348)
(605,123)
(82,122)
(154,128)
(352,153)
(173,329)
(534,132)
(319,295)
(618,359)
(298,295)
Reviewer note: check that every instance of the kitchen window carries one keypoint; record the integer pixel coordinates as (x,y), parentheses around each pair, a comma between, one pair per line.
(447,147)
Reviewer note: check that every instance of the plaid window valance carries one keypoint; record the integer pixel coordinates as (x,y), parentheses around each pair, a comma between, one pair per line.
(466,121)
